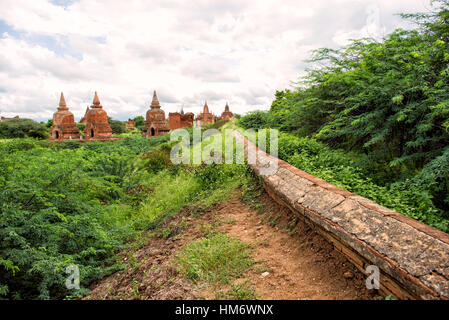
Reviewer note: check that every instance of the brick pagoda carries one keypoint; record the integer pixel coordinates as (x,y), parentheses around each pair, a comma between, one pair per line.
(84,119)
(155,123)
(227,115)
(205,117)
(97,125)
(64,126)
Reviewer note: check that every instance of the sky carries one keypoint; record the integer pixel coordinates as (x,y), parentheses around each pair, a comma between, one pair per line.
(235,51)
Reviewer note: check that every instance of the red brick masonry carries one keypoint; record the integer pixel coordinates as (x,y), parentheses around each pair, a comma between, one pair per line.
(413,258)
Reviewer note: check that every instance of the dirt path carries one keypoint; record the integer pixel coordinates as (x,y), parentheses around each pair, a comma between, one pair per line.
(293,262)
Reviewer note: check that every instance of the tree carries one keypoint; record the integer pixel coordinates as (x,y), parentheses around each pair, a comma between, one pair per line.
(117,126)
(81,127)
(386,100)
(140,122)
(21,128)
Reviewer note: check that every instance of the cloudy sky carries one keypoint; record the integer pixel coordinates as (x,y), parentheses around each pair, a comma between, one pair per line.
(240,51)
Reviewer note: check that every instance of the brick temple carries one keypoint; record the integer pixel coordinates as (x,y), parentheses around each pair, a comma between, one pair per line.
(155,123)
(84,118)
(179,120)
(227,115)
(130,124)
(64,126)
(205,117)
(97,125)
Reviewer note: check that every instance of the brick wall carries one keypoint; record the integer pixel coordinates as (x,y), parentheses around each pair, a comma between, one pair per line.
(413,258)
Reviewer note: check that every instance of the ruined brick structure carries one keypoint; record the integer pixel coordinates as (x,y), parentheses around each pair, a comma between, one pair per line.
(97,125)
(226,115)
(205,117)
(130,124)
(4,118)
(155,123)
(84,119)
(64,126)
(180,120)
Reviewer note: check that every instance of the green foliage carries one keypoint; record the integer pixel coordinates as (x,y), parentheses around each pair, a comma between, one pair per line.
(219,124)
(156,161)
(81,127)
(65,204)
(410,196)
(238,291)
(117,126)
(139,122)
(216,258)
(71,203)
(21,128)
(386,104)
(255,120)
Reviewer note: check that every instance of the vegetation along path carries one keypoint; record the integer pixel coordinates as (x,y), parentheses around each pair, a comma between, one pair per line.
(248,247)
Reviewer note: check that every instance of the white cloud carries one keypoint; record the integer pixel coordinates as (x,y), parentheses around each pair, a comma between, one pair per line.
(189,51)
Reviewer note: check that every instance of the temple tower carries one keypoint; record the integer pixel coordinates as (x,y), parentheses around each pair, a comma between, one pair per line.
(97,125)
(64,126)
(155,122)
(227,115)
(205,117)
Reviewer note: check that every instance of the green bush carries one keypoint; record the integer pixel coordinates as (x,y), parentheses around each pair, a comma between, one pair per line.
(64,204)
(385,104)
(72,203)
(410,197)
(254,120)
(117,126)
(139,122)
(21,128)
(81,127)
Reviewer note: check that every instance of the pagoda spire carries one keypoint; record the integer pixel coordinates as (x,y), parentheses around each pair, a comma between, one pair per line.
(206,108)
(155,102)
(227,107)
(62,103)
(96,102)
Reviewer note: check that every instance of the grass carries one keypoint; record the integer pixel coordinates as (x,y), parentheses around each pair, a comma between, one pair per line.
(217,258)
(238,291)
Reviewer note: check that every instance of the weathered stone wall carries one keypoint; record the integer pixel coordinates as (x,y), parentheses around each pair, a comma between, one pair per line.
(413,258)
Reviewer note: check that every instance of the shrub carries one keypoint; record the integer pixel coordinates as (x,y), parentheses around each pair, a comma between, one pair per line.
(64,204)
(81,127)
(410,197)
(117,126)
(139,122)
(254,120)
(21,128)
